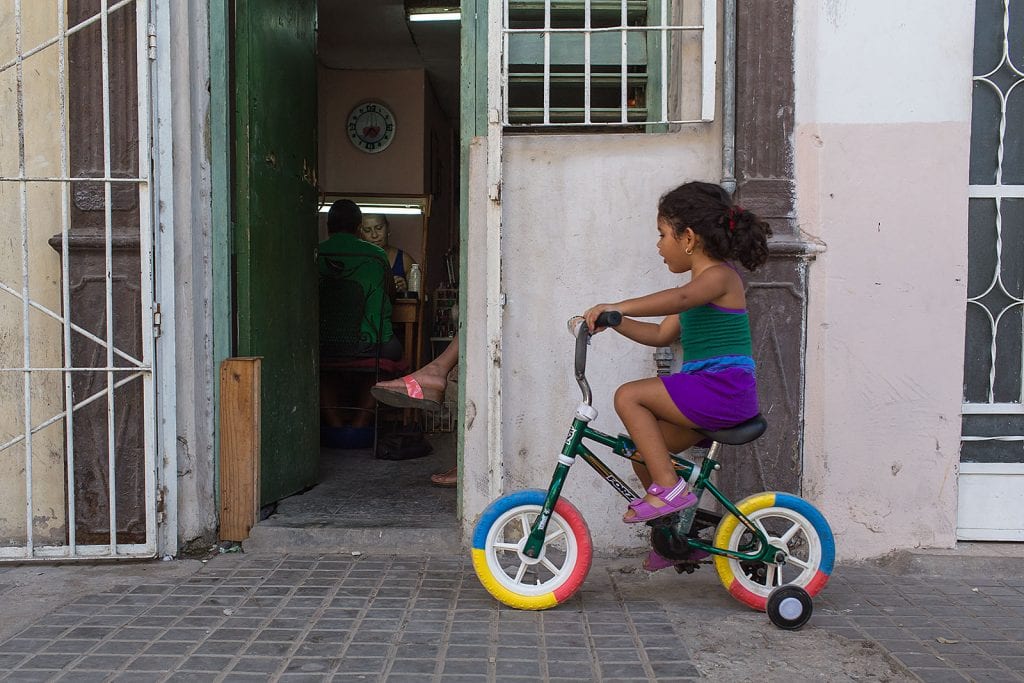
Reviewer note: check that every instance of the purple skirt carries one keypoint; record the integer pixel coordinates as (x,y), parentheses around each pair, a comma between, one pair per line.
(715,393)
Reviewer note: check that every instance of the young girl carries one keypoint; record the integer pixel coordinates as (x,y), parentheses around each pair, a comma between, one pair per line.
(700,230)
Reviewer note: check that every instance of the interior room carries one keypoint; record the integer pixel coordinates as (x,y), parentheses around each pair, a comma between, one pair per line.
(388,99)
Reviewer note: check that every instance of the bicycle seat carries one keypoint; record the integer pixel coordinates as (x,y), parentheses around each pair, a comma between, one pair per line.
(744,432)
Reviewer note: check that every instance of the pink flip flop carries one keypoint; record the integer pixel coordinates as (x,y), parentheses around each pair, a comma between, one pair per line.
(675,499)
(414,396)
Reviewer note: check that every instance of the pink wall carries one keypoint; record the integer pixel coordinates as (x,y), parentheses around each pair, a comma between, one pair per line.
(399,169)
(882,147)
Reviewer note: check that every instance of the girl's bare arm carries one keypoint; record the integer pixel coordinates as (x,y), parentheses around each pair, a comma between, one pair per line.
(708,286)
(650,334)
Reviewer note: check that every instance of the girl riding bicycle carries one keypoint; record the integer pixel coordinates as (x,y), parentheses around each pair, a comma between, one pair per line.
(700,232)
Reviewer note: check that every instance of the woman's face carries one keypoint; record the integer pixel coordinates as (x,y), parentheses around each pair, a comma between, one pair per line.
(374,230)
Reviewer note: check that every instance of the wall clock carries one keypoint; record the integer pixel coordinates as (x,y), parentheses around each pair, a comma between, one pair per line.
(371,127)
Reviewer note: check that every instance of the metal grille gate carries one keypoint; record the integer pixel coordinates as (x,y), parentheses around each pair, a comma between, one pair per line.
(992,451)
(77,326)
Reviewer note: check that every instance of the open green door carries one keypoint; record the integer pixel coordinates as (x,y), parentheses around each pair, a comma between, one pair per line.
(275,211)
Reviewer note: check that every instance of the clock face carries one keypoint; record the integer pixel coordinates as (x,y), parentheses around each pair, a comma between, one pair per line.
(371,127)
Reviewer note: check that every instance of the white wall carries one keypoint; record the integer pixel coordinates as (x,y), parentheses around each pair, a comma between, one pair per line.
(579,228)
(882,139)
(192,236)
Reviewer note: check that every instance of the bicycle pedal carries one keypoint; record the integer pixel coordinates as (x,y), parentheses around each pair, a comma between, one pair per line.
(666,522)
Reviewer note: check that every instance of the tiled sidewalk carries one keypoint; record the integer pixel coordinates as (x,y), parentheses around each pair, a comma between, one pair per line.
(943,628)
(402,618)
(347,619)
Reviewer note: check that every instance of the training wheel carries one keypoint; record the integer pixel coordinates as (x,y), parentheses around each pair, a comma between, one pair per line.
(789,607)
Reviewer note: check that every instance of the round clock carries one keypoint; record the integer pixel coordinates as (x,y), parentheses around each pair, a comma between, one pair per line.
(371,127)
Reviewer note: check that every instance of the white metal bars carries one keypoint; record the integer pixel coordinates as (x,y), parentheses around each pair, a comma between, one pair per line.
(34,89)
(1000,81)
(642,78)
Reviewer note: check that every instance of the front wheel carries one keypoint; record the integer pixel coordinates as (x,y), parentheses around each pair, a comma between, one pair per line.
(791,524)
(525,582)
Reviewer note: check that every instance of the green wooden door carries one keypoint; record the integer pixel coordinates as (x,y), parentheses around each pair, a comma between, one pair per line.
(275,120)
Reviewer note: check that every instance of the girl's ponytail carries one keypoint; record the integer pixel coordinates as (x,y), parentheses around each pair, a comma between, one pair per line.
(748,235)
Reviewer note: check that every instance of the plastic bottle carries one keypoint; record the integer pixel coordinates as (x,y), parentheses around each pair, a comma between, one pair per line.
(414,278)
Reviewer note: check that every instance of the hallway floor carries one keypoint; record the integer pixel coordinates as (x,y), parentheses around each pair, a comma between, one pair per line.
(358,491)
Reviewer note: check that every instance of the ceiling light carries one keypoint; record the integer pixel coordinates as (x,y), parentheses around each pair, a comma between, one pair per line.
(444,15)
(392,209)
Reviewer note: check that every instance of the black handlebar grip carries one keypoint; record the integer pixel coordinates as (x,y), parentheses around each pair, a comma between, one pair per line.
(609,319)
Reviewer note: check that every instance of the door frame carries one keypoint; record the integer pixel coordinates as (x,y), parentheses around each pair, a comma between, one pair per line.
(221,227)
(166,351)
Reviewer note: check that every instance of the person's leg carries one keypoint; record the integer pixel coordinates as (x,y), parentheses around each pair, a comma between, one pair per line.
(365,402)
(330,397)
(677,439)
(642,406)
(433,375)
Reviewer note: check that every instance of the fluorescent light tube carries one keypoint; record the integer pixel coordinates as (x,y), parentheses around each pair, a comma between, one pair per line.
(436,16)
(392,209)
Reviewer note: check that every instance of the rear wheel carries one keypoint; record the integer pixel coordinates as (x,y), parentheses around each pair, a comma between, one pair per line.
(792,525)
(518,580)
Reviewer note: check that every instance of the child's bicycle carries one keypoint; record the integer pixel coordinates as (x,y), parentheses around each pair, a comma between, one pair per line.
(773,551)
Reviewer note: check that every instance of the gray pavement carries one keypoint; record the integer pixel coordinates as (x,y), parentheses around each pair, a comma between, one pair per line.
(342,617)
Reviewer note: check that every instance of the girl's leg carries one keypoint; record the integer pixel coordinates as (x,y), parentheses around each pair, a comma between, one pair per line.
(676,439)
(643,405)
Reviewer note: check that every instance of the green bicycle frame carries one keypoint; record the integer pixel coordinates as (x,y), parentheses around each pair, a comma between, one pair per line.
(624,447)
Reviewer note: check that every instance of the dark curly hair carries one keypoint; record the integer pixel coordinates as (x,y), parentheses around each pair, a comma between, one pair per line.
(728,232)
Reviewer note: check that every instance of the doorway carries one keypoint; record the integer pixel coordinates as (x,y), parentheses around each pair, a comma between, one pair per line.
(293,92)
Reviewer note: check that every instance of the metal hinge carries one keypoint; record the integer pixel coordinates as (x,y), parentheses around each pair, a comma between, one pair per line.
(152,42)
(161,512)
(157,319)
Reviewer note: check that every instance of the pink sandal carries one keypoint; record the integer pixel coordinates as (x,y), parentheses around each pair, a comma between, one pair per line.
(675,499)
(655,562)
(414,396)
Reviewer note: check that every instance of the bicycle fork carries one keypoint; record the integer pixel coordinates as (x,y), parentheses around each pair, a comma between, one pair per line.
(572,447)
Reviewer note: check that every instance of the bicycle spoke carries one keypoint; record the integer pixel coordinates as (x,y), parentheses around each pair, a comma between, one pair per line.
(514,547)
(798,562)
(557,533)
(788,536)
(521,573)
(525,525)
(551,568)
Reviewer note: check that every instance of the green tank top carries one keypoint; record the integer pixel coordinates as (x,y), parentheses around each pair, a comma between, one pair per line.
(709,331)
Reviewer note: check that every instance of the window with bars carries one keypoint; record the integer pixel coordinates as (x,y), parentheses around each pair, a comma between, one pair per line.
(600,63)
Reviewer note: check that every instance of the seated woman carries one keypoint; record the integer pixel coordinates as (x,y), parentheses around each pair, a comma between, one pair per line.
(375,229)
(364,264)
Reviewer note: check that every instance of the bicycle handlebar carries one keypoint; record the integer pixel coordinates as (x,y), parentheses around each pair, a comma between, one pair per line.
(606,319)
